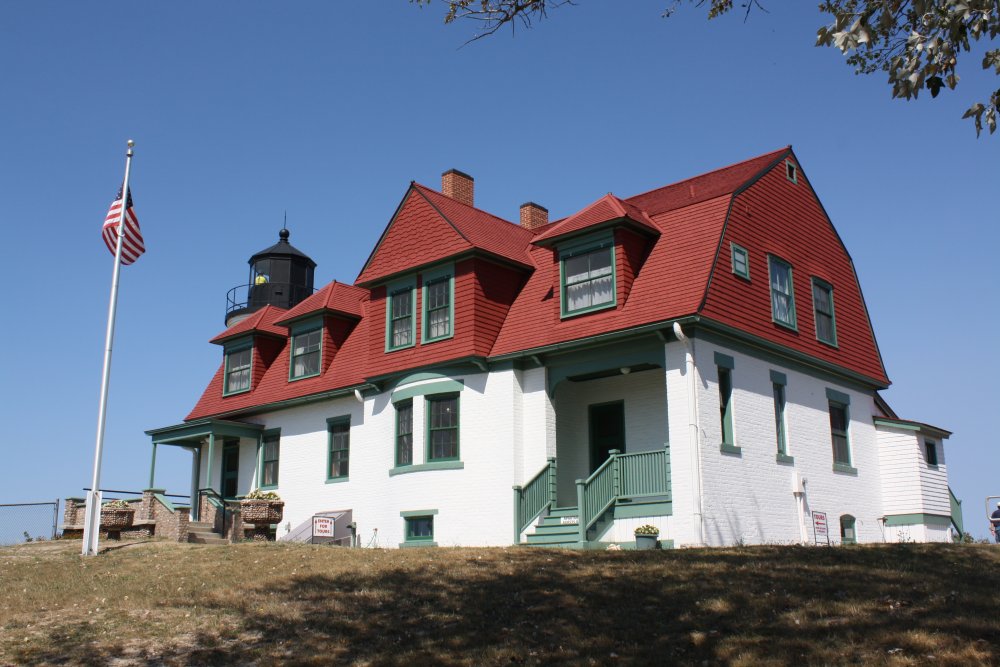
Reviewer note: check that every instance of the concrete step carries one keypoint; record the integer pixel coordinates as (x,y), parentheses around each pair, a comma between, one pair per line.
(553,540)
(556,529)
(202,539)
(564,511)
(201,525)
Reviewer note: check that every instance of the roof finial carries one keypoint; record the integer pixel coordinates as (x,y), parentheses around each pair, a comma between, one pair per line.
(285,223)
(283,234)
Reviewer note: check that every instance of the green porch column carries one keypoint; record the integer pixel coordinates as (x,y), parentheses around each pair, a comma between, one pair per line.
(211,457)
(152,468)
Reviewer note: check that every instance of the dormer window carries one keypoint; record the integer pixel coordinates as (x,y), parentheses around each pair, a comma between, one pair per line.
(588,276)
(439,303)
(238,364)
(307,349)
(782,294)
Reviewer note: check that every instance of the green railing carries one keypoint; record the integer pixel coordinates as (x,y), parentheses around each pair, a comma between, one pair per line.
(534,497)
(956,512)
(621,476)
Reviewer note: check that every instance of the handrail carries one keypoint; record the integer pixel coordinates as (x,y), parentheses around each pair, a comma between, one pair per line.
(956,512)
(219,502)
(537,495)
(635,475)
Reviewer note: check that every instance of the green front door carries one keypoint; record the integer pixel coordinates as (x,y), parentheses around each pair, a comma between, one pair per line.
(607,431)
(230,469)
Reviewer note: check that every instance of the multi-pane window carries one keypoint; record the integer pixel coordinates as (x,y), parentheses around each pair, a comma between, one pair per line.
(588,280)
(826,329)
(404,433)
(269,460)
(306,353)
(930,452)
(839,420)
(726,404)
(741,261)
(238,370)
(438,308)
(401,318)
(442,428)
(419,528)
(340,447)
(782,295)
(779,418)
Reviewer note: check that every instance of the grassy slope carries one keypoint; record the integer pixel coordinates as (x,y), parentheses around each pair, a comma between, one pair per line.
(161,603)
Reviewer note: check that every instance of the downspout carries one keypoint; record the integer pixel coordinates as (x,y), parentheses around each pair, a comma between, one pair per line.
(695,434)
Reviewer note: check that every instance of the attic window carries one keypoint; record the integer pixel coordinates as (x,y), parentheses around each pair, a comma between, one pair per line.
(791,171)
(588,276)
(400,327)
(741,262)
(306,352)
(238,364)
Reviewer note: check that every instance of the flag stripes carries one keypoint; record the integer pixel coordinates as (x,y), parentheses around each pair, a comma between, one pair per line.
(132,243)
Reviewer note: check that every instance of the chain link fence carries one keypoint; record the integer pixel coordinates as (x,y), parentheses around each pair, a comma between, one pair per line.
(28,522)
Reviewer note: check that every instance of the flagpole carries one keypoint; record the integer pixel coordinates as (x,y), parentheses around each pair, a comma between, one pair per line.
(92,522)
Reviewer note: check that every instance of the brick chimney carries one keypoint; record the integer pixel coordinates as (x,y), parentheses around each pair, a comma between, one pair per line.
(533,215)
(458,186)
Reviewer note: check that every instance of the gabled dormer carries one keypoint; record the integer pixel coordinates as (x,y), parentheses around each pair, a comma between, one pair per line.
(249,348)
(598,252)
(318,327)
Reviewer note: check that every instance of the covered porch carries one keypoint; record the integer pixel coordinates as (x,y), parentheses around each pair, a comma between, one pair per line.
(224,460)
(611,469)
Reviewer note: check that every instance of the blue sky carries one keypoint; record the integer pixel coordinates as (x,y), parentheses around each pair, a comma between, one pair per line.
(241,111)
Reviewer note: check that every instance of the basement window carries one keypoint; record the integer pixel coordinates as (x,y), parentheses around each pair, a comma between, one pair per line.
(418,528)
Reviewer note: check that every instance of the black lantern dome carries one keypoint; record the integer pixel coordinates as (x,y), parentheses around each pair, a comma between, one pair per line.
(281,275)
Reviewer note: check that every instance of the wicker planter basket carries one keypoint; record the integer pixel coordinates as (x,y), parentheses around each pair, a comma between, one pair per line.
(262,511)
(116,518)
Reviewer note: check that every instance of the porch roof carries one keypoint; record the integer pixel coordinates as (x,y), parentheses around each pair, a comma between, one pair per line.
(189,434)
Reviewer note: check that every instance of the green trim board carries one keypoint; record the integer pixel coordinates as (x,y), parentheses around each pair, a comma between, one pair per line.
(411,513)
(908,425)
(592,248)
(822,294)
(638,510)
(740,260)
(845,468)
(190,434)
(438,302)
(731,450)
(407,309)
(424,467)
(917,519)
(784,458)
(724,361)
(838,396)
(782,292)
(778,378)
(435,387)
(645,350)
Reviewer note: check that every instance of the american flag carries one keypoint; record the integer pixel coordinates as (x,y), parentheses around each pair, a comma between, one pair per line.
(132,245)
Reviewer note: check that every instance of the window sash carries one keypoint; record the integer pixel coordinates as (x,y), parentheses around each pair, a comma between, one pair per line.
(779,418)
(589,279)
(439,308)
(404,433)
(270,456)
(401,318)
(340,449)
(782,292)
(930,452)
(741,261)
(419,528)
(823,306)
(726,404)
(442,428)
(839,433)
(306,349)
(238,370)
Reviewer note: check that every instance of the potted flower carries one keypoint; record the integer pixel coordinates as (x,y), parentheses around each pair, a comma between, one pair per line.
(645,536)
(261,507)
(116,515)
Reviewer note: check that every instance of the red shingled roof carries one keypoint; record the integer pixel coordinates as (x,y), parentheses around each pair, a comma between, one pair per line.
(686,272)
(261,321)
(335,297)
(605,209)
(430,227)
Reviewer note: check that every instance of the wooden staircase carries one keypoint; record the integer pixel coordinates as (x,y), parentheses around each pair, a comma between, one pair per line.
(560,529)
(202,532)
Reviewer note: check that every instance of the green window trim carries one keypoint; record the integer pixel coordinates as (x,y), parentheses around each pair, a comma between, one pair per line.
(403,434)
(311,337)
(441,435)
(424,467)
(245,368)
(838,396)
(438,299)
(791,171)
(724,361)
(338,450)
(418,528)
(782,282)
(740,260)
(840,439)
(267,474)
(824,317)
(726,405)
(442,386)
(593,250)
(848,534)
(400,315)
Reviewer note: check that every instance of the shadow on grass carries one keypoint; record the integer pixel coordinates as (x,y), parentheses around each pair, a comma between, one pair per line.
(760,605)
